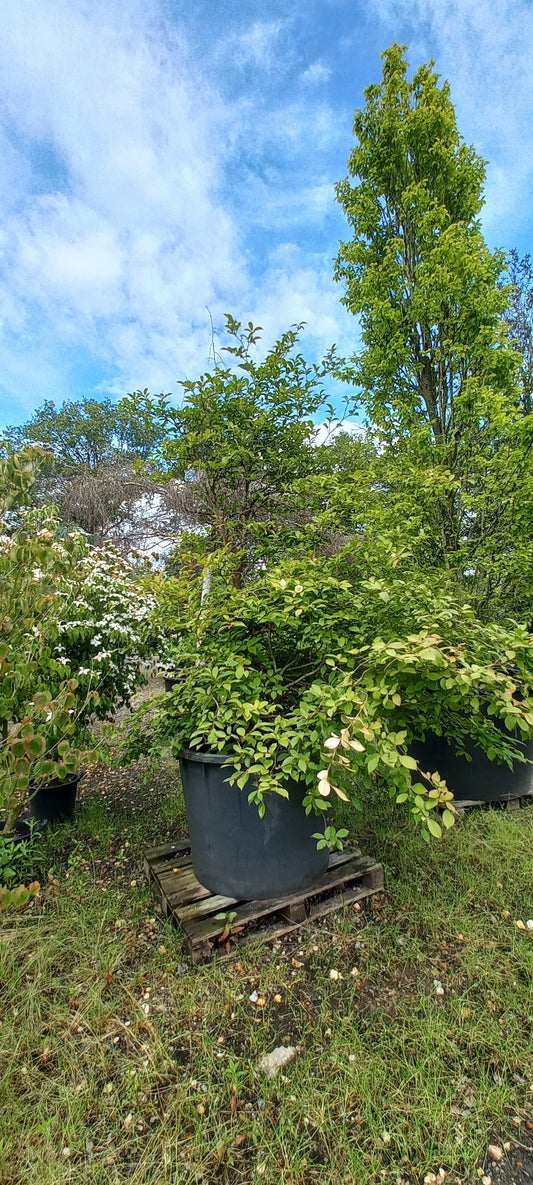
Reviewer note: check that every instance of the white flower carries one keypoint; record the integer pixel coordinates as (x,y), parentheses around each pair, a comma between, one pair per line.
(298,588)
(37,575)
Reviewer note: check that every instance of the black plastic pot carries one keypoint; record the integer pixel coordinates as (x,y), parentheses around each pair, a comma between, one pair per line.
(54,803)
(171,681)
(234,852)
(23,831)
(478,780)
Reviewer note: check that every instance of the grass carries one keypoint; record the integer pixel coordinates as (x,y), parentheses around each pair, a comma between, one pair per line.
(122,1063)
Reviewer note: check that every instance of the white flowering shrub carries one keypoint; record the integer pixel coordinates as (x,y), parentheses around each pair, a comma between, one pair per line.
(106,635)
(38,704)
(74,638)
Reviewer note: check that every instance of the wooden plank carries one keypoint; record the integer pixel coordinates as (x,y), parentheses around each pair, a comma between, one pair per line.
(201,953)
(336,858)
(350,877)
(189,913)
(183,863)
(295,912)
(217,954)
(166,849)
(165,855)
(466,804)
(174,882)
(374,878)
(250,911)
(320,909)
(161,859)
(353,868)
(162,899)
(205,951)
(180,901)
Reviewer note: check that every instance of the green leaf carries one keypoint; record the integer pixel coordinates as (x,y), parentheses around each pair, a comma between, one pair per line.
(36,747)
(434,828)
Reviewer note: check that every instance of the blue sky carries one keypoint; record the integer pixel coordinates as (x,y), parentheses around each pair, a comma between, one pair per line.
(165,158)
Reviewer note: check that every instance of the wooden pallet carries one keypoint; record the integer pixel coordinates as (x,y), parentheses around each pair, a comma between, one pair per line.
(350,877)
(510,804)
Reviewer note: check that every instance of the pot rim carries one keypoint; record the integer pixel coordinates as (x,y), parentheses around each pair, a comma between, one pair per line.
(57,785)
(209,758)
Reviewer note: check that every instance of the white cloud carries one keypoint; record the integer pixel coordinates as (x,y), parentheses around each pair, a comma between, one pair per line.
(126,256)
(316,74)
(119,250)
(259,44)
(298,287)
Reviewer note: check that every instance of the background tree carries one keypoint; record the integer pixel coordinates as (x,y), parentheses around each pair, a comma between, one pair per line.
(438,375)
(93,473)
(519,318)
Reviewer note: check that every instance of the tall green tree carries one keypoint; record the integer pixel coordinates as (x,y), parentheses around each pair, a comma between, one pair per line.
(437,372)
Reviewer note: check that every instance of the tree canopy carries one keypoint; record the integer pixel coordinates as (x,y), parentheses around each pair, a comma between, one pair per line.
(92,473)
(519,319)
(86,432)
(438,372)
(417,270)
(241,440)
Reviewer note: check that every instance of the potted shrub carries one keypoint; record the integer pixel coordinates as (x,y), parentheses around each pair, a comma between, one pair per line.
(40,757)
(307,678)
(74,634)
(317,670)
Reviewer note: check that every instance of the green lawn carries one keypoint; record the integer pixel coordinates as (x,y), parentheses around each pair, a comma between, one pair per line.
(123,1063)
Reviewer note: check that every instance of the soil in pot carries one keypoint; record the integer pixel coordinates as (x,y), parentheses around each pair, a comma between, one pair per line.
(234,852)
(56,802)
